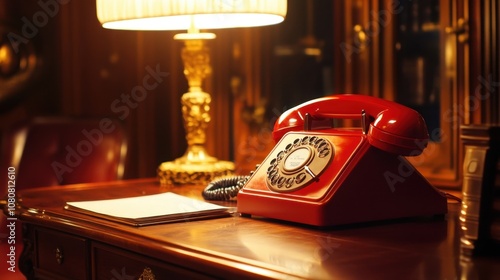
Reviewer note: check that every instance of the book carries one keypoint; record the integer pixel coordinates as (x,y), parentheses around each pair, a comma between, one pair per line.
(149,209)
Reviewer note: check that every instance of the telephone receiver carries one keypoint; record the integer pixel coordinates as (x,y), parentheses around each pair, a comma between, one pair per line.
(323,175)
(388,126)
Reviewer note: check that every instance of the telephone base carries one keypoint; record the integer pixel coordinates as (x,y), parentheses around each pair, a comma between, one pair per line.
(362,184)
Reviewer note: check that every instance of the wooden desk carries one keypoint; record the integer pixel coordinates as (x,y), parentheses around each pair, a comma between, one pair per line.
(67,245)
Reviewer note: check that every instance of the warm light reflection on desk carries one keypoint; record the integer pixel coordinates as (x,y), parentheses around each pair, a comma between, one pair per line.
(257,247)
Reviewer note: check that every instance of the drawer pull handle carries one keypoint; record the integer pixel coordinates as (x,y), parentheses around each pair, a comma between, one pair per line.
(147,274)
(59,256)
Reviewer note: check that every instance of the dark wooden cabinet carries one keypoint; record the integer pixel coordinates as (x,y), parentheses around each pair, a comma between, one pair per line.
(110,262)
(61,255)
(439,57)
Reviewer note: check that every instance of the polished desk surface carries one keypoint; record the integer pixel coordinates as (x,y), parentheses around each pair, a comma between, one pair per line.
(237,246)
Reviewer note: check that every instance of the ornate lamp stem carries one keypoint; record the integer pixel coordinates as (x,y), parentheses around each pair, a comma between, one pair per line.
(196,166)
(196,103)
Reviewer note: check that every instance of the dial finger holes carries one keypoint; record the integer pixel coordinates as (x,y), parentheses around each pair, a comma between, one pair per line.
(299,163)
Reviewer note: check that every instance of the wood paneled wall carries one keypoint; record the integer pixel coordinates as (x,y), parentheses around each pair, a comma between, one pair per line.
(94,72)
(90,71)
(469,76)
(104,73)
(484,88)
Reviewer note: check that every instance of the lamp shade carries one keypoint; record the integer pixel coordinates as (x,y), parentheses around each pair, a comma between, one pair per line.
(184,14)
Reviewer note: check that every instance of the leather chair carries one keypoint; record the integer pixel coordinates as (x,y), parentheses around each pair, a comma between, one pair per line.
(57,151)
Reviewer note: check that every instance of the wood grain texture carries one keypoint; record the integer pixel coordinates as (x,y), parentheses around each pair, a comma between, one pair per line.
(255,247)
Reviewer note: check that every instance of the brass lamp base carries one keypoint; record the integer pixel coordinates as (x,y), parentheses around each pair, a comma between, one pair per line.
(195,167)
(172,172)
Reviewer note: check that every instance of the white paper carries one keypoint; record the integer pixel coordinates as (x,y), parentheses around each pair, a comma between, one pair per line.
(162,204)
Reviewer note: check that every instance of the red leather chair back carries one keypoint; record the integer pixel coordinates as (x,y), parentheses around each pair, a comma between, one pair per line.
(55,151)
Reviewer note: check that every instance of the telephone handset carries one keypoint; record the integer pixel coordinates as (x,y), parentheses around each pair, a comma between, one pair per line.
(321,175)
(389,126)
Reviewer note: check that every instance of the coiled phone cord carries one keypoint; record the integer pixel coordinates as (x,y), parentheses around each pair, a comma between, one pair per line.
(224,188)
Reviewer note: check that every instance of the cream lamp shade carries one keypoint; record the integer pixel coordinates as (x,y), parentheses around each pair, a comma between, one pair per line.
(184,14)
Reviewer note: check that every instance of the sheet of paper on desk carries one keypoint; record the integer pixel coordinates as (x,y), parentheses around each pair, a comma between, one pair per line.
(149,209)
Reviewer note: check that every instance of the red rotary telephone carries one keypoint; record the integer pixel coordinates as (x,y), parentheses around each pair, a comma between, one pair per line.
(321,175)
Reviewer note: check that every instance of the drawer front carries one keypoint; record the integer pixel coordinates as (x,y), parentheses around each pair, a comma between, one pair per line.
(60,255)
(114,263)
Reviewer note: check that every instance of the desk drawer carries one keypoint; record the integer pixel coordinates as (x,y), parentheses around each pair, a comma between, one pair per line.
(114,263)
(60,255)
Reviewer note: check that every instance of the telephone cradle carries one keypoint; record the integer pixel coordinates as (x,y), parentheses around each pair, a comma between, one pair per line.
(321,175)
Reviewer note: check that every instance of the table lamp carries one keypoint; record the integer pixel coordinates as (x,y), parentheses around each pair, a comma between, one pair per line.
(196,166)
